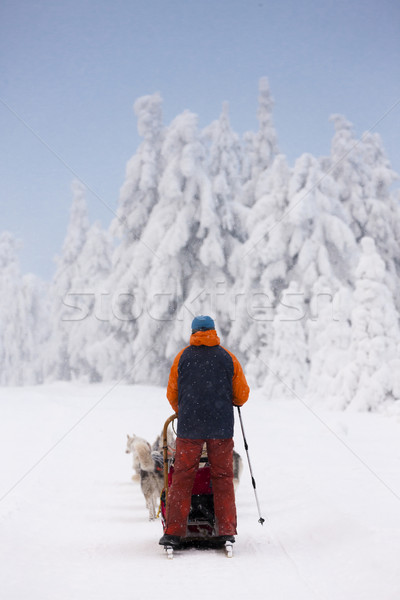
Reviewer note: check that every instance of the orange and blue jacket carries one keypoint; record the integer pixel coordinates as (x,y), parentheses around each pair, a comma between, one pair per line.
(205,382)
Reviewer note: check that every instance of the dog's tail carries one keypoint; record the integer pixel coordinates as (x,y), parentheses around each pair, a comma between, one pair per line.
(143,450)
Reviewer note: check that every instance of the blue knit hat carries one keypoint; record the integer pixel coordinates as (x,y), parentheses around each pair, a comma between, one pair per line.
(202,323)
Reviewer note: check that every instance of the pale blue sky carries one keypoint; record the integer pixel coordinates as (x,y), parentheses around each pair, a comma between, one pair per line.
(71,70)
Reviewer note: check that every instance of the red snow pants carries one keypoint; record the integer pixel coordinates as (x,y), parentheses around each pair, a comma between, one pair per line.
(187,459)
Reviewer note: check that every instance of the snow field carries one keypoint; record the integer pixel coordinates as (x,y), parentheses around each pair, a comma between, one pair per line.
(74,525)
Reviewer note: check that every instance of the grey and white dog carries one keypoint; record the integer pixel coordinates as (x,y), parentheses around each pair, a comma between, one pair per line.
(148,465)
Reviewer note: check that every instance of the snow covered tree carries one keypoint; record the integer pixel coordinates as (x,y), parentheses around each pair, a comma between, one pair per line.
(62,312)
(383,222)
(22,319)
(297,233)
(288,366)
(372,375)
(225,158)
(320,243)
(261,147)
(260,269)
(34,327)
(187,229)
(81,342)
(321,254)
(90,340)
(328,342)
(364,177)
(10,343)
(132,256)
(139,194)
(225,166)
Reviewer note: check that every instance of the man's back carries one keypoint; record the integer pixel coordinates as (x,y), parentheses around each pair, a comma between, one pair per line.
(205,376)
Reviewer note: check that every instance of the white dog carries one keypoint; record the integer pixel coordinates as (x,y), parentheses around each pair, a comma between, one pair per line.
(148,465)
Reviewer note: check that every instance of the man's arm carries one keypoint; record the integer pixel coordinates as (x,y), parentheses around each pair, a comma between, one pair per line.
(172,388)
(240,387)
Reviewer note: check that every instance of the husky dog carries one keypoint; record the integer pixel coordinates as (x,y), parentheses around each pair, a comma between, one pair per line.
(148,465)
(237,468)
(156,447)
(171,444)
(130,449)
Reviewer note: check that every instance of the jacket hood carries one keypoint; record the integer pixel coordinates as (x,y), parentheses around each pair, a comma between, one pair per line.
(205,338)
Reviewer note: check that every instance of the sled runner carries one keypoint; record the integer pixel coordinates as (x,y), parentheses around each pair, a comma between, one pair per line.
(201,521)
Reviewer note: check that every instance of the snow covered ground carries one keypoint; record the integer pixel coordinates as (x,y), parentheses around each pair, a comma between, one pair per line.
(74,525)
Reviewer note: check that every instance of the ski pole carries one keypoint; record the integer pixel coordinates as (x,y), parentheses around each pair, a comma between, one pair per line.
(253,481)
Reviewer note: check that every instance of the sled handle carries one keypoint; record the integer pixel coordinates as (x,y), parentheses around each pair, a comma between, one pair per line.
(165,453)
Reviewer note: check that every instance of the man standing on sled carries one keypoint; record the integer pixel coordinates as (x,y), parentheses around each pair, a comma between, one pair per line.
(205,383)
